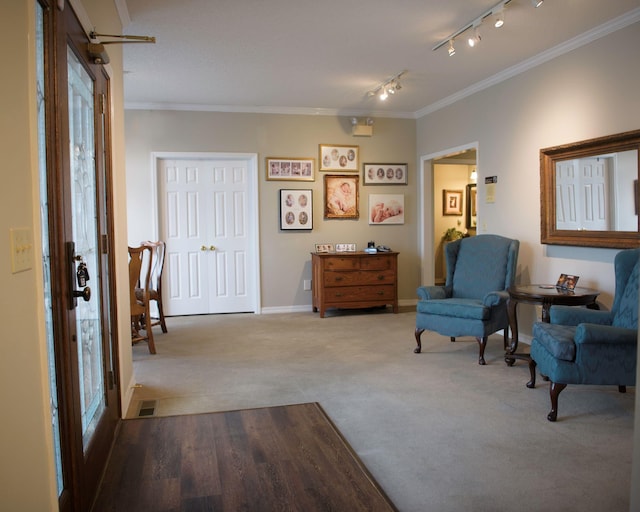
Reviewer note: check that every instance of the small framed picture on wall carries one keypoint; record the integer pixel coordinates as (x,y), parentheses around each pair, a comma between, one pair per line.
(296,209)
(291,169)
(335,157)
(452,202)
(384,174)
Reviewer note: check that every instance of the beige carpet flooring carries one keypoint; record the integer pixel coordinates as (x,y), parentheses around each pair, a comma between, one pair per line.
(438,432)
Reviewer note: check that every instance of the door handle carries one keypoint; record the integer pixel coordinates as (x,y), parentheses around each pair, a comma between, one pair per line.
(84,293)
(212,247)
(77,275)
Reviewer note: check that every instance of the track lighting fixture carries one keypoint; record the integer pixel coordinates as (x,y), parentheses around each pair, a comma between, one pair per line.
(497,11)
(390,86)
(474,38)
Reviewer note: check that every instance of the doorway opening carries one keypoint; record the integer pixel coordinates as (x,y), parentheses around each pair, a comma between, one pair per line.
(430,211)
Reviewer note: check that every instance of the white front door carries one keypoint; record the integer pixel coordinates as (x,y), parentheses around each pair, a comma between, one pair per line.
(204,219)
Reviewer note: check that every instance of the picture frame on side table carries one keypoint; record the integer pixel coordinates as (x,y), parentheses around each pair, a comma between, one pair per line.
(325,248)
(452,202)
(291,169)
(384,174)
(341,196)
(334,157)
(296,209)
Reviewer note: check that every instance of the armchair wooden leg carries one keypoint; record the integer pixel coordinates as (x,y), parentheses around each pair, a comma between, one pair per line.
(622,389)
(418,349)
(554,390)
(532,370)
(452,339)
(483,343)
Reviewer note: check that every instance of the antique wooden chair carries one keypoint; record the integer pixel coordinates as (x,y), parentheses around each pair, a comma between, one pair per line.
(155,283)
(139,279)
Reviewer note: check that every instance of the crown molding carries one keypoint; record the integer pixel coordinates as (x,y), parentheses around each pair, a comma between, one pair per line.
(299,111)
(605,29)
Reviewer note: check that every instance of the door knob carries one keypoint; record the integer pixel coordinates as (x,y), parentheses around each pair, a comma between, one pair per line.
(85,293)
(203,248)
(212,248)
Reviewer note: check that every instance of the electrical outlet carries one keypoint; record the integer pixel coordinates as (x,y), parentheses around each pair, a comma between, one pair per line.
(21,249)
(306,284)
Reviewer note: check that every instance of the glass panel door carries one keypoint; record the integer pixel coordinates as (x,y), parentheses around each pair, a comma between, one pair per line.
(46,255)
(86,253)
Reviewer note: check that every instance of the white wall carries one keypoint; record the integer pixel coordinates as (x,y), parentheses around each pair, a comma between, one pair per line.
(285,255)
(589,92)
(27,475)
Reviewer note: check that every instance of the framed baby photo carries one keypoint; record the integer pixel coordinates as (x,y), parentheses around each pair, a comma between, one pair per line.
(339,158)
(341,196)
(296,209)
(386,208)
(291,169)
(384,174)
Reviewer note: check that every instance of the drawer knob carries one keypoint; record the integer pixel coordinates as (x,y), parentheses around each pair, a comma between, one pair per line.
(339,278)
(380,277)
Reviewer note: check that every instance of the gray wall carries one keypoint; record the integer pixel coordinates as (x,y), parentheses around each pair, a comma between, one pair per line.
(285,258)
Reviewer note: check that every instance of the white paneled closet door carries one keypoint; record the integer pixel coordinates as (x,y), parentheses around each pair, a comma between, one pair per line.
(203,219)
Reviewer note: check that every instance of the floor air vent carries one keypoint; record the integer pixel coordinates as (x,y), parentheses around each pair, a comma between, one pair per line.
(147,408)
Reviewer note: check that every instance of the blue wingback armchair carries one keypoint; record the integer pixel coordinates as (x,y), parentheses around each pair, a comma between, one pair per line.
(473,301)
(585,346)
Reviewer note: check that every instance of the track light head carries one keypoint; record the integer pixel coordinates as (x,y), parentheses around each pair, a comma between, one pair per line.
(452,50)
(537,3)
(499,18)
(383,94)
(475,37)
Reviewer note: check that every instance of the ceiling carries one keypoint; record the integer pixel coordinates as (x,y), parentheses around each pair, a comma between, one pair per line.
(311,56)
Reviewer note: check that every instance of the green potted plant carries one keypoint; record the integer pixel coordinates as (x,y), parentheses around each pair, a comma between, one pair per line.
(452,234)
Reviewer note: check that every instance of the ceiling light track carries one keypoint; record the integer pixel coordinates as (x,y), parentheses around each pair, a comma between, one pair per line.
(497,11)
(388,87)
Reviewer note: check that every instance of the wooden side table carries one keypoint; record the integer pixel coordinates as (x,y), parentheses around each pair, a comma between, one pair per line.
(545,295)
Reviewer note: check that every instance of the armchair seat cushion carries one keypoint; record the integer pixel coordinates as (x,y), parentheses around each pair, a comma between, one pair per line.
(556,339)
(455,308)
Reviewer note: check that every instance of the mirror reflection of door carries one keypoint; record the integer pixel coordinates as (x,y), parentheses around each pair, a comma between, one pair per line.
(73,145)
(452,172)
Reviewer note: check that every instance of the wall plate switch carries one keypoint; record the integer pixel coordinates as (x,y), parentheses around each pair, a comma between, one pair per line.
(306,284)
(21,249)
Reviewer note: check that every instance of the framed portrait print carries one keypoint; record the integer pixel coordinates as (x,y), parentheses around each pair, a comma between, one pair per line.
(386,208)
(339,158)
(452,202)
(296,209)
(384,174)
(341,196)
(291,169)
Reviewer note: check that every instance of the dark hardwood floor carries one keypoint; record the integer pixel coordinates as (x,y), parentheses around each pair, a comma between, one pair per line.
(289,458)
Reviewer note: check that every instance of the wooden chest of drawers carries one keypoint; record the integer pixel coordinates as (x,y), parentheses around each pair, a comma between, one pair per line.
(354,280)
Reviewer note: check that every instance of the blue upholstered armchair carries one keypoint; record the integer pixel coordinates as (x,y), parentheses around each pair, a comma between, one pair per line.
(585,346)
(473,301)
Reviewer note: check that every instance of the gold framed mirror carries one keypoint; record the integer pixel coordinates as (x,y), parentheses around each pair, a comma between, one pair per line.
(589,192)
